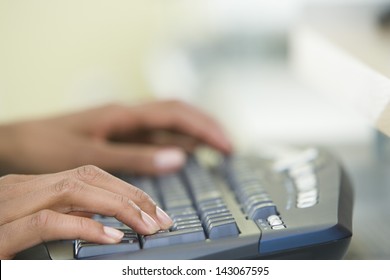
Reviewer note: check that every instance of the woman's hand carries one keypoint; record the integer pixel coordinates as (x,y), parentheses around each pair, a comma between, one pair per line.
(39,208)
(151,139)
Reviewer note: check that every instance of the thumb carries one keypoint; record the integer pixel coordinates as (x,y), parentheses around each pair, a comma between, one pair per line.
(138,158)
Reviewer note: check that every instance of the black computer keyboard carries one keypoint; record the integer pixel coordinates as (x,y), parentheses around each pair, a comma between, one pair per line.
(295,206)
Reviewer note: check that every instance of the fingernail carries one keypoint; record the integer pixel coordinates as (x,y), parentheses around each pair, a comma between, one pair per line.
(164,218)
(150,223)
(169,159)
(114,234)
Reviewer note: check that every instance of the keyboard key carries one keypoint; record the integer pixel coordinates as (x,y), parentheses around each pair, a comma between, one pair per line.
(189,226)
(214,212)
(306,182)
(129,243)
(297,159)
(274,220)
(207,196)
(218,216)
(262,211)
(213,220)
(182,224)
(177,203)
(178,219)
(278,227)
(212,207)
(222,228)
(173,237)
(182,213)
(249,208)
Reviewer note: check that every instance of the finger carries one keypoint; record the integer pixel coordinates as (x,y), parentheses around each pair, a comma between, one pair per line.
(71,195)
(85,189)
(47,225)
(82,214)
(137,158)
(99,178)
(160,138)
(165,138)
(14,179)
(186,119)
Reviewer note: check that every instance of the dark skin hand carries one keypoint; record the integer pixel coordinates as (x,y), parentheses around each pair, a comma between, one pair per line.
(147,139)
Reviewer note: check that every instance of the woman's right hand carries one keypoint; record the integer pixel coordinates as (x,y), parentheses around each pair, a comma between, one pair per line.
(39,208)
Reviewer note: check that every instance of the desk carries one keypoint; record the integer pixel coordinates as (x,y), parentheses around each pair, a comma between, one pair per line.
(352,32)
(371,180)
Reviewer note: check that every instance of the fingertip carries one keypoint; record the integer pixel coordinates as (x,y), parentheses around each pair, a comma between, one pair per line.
(150,223)
(219,140)
(165,221)
(226,147)
(112,235)
(169,159)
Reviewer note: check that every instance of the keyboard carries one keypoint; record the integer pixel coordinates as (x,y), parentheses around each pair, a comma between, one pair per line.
(295,204)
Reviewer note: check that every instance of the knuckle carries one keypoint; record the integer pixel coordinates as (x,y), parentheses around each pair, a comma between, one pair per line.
(141,196)
(126,204)
(40,219)
(89,173)
(67,186)
(83,224)
(123,200)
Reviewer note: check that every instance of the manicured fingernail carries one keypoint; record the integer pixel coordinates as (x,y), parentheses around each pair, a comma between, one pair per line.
(164,218)
(150,223)
(169,159)
(114,234)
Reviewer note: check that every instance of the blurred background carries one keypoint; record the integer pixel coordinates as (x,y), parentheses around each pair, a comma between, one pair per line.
(58,56)
(63,55)
(244,62)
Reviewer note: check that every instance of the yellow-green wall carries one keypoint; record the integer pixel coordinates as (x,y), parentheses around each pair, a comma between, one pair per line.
(60,55)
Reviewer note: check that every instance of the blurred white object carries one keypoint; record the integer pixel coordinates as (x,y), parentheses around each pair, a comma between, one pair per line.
(340,52)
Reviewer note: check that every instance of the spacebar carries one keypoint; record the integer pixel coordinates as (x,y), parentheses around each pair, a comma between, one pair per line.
(173,237)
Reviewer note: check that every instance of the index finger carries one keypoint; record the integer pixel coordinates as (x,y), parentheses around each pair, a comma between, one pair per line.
(92,176)
(186,119)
